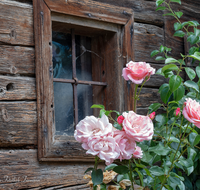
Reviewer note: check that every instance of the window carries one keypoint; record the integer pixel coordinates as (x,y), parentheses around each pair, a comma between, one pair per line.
(81,48)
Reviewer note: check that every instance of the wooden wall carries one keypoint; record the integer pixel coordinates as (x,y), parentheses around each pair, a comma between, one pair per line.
(19,165)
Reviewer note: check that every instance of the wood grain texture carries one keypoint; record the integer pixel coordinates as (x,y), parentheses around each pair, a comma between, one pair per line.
(146,39)
(21,169)
(16,20)
(17,60)
(144,11)
(18,124)
(17,88)
(92,10)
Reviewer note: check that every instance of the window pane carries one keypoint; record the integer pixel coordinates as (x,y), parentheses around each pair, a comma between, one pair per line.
(64,111)
(84,101)
(83,58)
(62,55)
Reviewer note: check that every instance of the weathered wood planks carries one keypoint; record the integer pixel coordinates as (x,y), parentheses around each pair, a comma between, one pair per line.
(146,39)
(16,23)
(17,88)
(18,123)
(17,60)
(21,169)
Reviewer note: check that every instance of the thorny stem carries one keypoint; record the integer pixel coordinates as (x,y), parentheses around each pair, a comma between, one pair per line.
(135,98)
(181,140)
(130,175)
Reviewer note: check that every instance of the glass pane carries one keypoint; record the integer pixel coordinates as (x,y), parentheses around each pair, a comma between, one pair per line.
(83,58)
(64,111)
(84,101)
(62,55)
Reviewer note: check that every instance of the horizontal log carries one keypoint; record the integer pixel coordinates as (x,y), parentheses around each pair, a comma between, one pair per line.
(147,97)
(16,23)
(21,169)
(146,39)
(17,88)
(144,11)
(17,60)
(20,118)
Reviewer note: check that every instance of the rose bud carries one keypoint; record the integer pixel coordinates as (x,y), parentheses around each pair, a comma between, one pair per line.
(177,112)
(152,115)
(120,119)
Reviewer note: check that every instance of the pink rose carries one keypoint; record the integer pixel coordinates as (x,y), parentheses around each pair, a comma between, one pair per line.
(152,115)
(191,111)
(137,127)
(137,71)
(120,119)
(138,153)
(178,112)
(105,147)
(91,126)
(126,146)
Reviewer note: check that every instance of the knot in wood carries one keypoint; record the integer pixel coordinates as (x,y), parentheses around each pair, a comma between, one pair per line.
(13,70)
(5,115)
(89,15)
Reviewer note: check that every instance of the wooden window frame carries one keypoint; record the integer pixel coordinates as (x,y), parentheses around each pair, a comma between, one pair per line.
(49,148)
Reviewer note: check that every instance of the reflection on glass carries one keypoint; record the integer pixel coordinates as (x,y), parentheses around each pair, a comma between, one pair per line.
(64,111)
(83,58)
(62,55)
(84,101)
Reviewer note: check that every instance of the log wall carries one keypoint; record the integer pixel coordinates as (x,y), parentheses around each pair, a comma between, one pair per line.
(20,168)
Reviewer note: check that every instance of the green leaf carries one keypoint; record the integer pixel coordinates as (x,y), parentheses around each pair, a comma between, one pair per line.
(177,26)
(196,31)
(121,169)
(174,82)
(97,176)
(102,111)
(160,149)
(162,48)
(179,14)
(181,186)
(191,84)
(171,60)
(110,167)
(159,2)
(159,72)
(117,126)
(154,52)
(198,71)
(89,169)
(194,139)
(191,153)
(192,50)
(170,67)
(161,119)
(179,93)
(98,106)
(165,94)
(156,171)
(190,72)
(193,39)
(174,139)
(159,58)
(146,157)
(179,33)
(121,177)
(154,107)
(176,1)
(168,14)
(140,176)
(193,23)
(196,56)
(160,8)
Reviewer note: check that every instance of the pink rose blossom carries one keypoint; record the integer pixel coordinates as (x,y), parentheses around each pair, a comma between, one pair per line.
(137,127)
(137,71)
(91,126)
(105,147)
(126,146)
(138,153)
(120,119)
(178,112)
(191,111)
(152,115)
